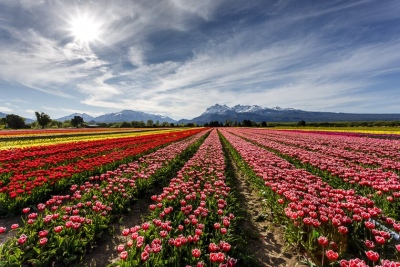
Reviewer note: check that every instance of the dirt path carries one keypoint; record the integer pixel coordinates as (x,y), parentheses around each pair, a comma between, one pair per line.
(105,251)
(265,240)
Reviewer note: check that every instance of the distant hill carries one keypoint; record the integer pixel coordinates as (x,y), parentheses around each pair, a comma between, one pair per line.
(121,116)
(3,115)
(255,113)
(238,113)
(84,116)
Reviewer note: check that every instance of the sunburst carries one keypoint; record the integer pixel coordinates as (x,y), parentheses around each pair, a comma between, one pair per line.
(85,29)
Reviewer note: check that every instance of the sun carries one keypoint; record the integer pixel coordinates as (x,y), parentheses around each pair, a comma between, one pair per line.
(85,29)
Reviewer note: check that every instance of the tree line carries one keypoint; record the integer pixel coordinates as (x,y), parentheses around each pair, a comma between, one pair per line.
(43,120)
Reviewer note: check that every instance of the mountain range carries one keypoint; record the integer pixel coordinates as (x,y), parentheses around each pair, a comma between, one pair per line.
(222,113)
(238,113)
(123,115)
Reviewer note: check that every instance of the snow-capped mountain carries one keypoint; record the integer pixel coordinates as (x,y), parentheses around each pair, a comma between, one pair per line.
(217,109)
(223,113)
(246,108)
(84,116)
(121,116)
(131,115)
(222,109)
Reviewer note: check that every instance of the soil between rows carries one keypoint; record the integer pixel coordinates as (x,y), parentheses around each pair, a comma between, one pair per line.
(264,238)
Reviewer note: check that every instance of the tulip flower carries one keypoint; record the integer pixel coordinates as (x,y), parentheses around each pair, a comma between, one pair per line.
(43,241)
(124,255)
(331,255)
(372,255)
(369,244)
(380,240)
(196,252)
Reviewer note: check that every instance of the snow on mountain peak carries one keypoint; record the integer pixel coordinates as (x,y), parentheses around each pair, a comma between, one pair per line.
(217,109)
(246,108)
(282,109)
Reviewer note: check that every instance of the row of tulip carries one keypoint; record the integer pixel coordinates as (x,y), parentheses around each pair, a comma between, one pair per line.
(25,141)
(333,225)
(61,229)
(40,148)
(382,186)
(47,132)
(392,133)
(190,220)
(377,153)
(23,186)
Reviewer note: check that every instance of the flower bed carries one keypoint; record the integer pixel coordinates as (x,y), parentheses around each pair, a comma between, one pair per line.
(67,164)
(62,228)
(189,221)
(330,224)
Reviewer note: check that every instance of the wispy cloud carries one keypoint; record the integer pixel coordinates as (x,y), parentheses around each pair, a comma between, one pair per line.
(178,57)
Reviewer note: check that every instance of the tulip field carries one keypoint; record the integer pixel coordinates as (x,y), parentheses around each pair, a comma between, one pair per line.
(335,195)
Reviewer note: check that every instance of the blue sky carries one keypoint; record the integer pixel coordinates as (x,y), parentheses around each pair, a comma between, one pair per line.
(178,57)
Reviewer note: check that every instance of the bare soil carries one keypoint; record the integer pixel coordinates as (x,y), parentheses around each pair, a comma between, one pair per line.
(7,222)
(105,251)
(265,238)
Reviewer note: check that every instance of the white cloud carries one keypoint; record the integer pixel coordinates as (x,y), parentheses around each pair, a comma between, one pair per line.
(5,109)
(282,58)
(203,9)
(136,55)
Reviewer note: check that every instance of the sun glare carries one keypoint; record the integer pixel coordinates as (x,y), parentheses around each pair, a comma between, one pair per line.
(85,29)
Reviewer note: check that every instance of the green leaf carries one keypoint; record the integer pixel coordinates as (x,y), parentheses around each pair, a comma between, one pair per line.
(70,259)
(315,234)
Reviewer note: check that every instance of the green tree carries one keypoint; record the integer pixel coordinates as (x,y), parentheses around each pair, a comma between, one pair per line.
(125,124)
(42,119)
(77,121)
(14,121)
(56,124)
(213,123)
(149,123)
(247,123)
(301,123)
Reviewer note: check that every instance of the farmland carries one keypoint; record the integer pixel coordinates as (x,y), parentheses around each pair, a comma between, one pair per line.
(213,197)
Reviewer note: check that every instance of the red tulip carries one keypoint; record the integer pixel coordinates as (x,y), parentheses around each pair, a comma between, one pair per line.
(323,241)
(369,244)
(373,256)
(43,241)
(125,232)
(120,248)
(380,240)
(124,255)
(332,256)
(22,239)
(231,262)
(343,230)
(26,210)
(43,233)
(145,256)
(196,252)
